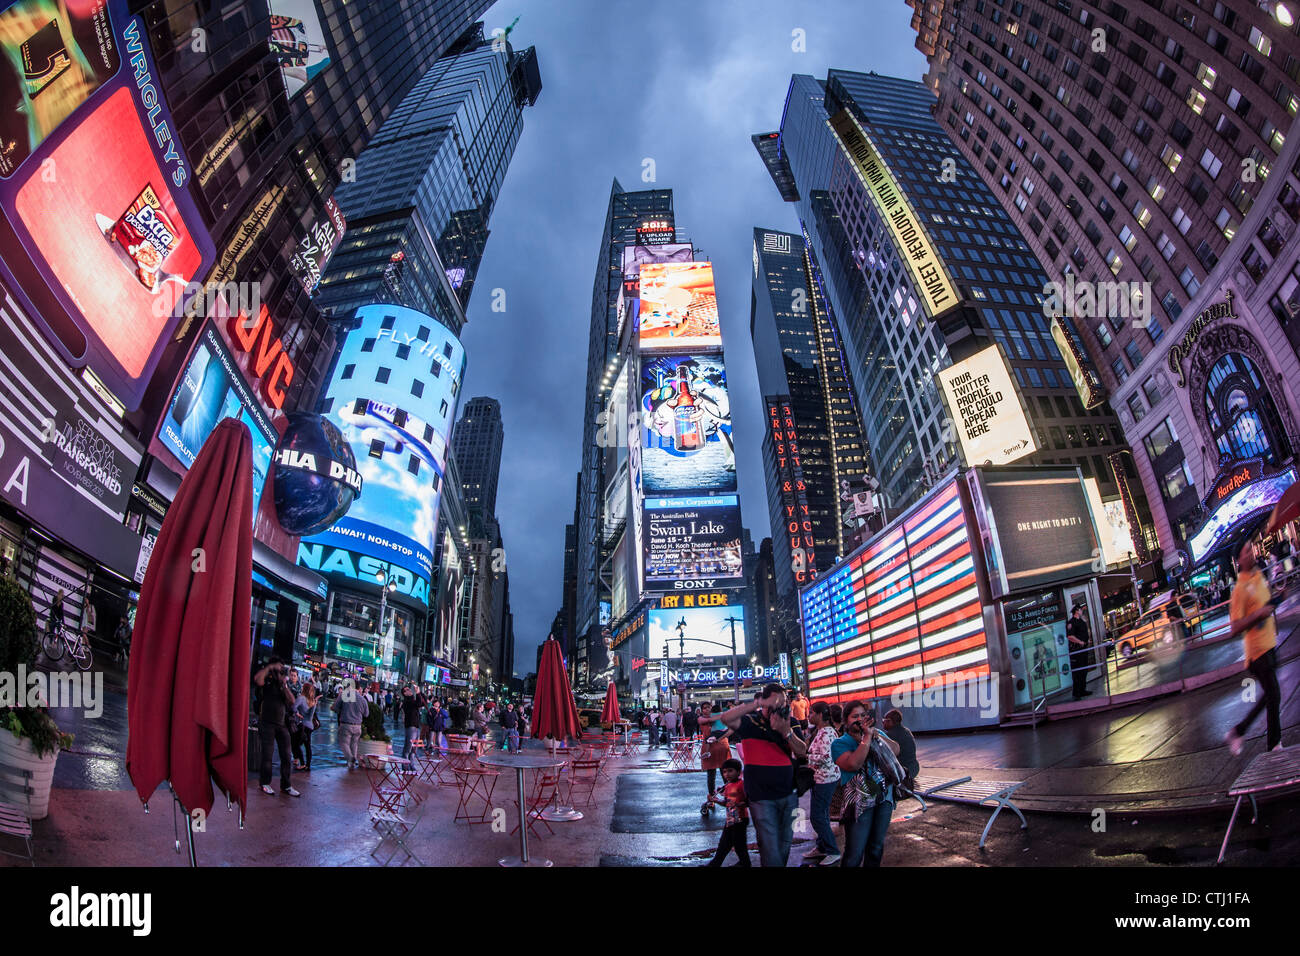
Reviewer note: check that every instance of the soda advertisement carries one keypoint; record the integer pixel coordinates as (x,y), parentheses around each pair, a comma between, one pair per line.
(686,425)
(212,389)
(679,306)
(297,42)
(98,229)
(693,540)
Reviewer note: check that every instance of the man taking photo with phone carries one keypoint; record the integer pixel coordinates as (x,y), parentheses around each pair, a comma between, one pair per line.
(768,746)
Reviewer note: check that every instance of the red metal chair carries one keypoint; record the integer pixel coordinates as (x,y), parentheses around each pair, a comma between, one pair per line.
(542,796)
(583,777)
(476,784)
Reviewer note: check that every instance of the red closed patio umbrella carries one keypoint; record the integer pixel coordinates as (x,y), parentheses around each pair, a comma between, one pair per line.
(610,713)
(1286,510)
(188,686)
(555,715)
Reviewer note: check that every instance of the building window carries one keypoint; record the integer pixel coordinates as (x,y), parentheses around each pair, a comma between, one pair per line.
(1240,411)
(1103,335)
(1120,370)
(381,376)
(1211,163)
(417,388)
(1177,480)
(1134,353)
(1161,439)
(368,345)
(1151,389)
(347,371)
(1136,407)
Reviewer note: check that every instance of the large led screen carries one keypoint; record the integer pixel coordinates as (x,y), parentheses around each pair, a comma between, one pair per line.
(1043,526)
(1245,504)
(693,539)
(990,421)
(902,614)
(297,42)
(634,257)
(393,396)
(212,389)
(696,632)
(98,231)
(679,307)
(686,425)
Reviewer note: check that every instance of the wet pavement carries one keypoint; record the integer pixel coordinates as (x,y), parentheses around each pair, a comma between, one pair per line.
(1157,772)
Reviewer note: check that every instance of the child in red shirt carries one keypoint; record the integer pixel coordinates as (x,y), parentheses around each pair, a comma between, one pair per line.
(735,835)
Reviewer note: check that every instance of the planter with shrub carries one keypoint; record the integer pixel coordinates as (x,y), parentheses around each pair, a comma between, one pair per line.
(30,740)
(374,739)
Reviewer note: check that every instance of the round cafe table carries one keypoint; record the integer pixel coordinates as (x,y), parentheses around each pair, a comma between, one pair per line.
(521,762)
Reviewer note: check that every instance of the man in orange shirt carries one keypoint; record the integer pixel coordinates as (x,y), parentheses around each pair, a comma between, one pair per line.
(799,711)
(1251,611)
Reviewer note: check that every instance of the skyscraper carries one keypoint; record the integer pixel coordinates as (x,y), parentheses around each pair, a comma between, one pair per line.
(814,444)
(1150,149)
(477,441)
(627,212)
(899,326)
(426,185)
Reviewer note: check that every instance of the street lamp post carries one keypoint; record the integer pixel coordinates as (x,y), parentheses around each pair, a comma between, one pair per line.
(735,669)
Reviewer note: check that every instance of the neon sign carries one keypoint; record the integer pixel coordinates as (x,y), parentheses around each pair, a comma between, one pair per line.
(255,339)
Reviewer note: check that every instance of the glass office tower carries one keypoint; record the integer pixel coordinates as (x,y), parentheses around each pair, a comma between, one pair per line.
(426,185)
(894,345)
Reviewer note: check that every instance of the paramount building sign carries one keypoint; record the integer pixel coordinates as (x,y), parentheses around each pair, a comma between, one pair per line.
(910,237)
(1183,348)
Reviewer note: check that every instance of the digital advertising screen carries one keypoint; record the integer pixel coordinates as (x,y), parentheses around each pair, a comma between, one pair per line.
(1042,525)
(697,631)
(635,256)
(1245,503)
(693,540)
(902,617)
(686,425)
(1112,525)
(394,397)
(99,231)
(297,42)
(678,306)
(210,390)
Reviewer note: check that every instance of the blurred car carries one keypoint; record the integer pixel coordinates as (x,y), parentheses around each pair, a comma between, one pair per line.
(1167,621)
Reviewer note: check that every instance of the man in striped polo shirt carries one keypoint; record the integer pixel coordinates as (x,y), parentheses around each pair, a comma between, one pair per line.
(768,746)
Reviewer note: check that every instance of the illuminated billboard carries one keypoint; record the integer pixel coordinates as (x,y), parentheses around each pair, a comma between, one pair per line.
(211,388)
(982,400)
(678,306)
(1042,527)
(393,396)
(297,42)
(99,231)
(1239,504)
(1084,376)
(914,244)
(696,632)
(685,425)
(1116,538)
(315,249)
(693,542)
(902,614)
(634,257)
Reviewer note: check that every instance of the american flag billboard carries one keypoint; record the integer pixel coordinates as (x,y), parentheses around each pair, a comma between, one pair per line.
(902,613)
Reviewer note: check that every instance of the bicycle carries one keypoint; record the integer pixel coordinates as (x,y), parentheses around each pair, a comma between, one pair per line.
(56,641)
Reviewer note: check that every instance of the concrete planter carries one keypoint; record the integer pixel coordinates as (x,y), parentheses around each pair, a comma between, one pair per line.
(376,747)
(16,755)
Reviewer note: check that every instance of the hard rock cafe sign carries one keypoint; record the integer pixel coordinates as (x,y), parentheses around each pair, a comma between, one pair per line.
(1181,349)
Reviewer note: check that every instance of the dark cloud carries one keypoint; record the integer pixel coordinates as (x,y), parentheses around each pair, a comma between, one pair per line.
(684,83)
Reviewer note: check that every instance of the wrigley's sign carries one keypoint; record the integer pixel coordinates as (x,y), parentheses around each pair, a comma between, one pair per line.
(1183,348)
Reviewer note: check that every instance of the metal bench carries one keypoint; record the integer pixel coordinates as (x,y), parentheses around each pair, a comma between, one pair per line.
(1269,772)
(978,793)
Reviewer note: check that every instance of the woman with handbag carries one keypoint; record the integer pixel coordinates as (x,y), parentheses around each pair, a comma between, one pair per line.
(305,710)
(869,771)
(825,781)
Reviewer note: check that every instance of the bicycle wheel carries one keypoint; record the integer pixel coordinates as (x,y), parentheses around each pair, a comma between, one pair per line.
(52,645)
(82,656)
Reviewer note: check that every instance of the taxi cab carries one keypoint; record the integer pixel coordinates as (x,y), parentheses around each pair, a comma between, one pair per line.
(1164,624)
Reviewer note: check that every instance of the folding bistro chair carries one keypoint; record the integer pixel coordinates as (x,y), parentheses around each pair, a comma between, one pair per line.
(393,826)
(477,785)
(388,787)
(16,820)
(543,794)
(583,777)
